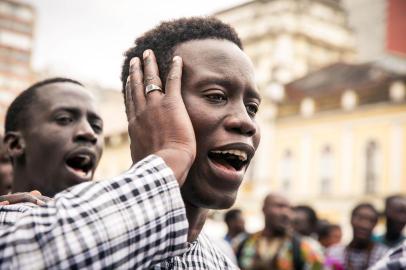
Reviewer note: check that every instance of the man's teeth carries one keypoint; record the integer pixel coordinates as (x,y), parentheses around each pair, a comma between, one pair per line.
(240,154)
(85,159)
(82,173)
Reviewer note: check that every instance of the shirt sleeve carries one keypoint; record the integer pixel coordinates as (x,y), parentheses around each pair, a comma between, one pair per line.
(131,221)
(11,213)
(395,259)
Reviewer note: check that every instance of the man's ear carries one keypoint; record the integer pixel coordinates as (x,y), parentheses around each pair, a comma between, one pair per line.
(14,143)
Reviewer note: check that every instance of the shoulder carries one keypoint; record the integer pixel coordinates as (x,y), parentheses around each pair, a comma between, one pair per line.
(311,250)
(380,249)
(212,255)
(10,214)
(335,256)
(335,251)
(394,259)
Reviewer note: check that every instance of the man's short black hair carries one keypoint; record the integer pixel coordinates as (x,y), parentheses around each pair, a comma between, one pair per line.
(165,37)
(324,228)
(16,116)
(4,157)
(390,199)
(310,213)
(231,215)
(364,205)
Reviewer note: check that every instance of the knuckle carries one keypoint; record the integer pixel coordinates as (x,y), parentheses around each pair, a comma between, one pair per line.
(149,77)
(173,76)
(133,68)
(137,83)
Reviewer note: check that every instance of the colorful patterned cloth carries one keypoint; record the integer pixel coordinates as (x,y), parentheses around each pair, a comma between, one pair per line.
(260,253)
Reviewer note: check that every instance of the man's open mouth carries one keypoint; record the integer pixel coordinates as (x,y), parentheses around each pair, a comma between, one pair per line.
(231,159)
(81,164)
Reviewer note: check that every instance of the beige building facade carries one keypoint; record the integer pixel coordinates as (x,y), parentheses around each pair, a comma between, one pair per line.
(286,39)
(340,139)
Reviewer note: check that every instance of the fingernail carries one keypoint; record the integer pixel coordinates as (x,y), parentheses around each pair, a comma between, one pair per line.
(176,58)
(146,53)
(134,61)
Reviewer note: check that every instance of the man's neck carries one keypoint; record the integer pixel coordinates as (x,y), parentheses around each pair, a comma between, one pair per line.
(360,244)
(392,233)
(196,217)
(21,182)
(233,234)
(271,233)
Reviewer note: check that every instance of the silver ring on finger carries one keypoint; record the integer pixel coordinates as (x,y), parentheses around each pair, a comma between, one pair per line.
(152,87)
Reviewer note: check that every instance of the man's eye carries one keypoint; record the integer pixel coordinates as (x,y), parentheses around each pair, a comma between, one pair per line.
(64,120)
(216,97)
(98,128)
(252,109)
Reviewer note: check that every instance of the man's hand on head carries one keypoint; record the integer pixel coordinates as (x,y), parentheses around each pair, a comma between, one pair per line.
(34,197)
(158,121)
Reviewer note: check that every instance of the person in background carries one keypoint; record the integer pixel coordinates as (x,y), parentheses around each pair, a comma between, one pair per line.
(277,247)
(54,139)
(329,234)
(305,220)
(6,170)
(395,218)
(53,134)
(362,252)
(236,232)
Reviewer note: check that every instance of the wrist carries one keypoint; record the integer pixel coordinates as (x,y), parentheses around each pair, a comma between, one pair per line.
(179,161)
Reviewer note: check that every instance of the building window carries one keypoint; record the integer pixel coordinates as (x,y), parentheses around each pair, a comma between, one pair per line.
(307,107)
(397,91)
(349,100)
(326,170)
(287,170)
(371,167)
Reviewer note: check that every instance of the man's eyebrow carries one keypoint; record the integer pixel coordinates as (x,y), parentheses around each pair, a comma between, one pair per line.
(67,109)
(75,110)
(214,80)
(94,115)
(254,93)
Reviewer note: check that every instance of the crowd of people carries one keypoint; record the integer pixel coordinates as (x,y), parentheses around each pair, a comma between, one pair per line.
(294,237)
(191,101)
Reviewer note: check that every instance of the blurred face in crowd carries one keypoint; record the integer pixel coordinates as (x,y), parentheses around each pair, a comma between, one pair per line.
(302,223)
(278,214)
(333,237)
(237,224)
(363,223)
(63,140)
(6,173)
(396,213)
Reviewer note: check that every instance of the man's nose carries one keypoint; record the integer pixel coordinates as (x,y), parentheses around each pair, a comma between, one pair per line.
(240,121)
(85,133)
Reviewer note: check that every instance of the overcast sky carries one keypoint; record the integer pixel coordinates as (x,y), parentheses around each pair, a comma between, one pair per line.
(85,39)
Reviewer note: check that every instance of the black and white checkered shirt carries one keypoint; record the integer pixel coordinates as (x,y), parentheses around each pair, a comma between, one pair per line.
(134,221)
(395,259)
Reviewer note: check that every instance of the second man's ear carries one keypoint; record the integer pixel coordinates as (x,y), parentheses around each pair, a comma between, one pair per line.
(14,143)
